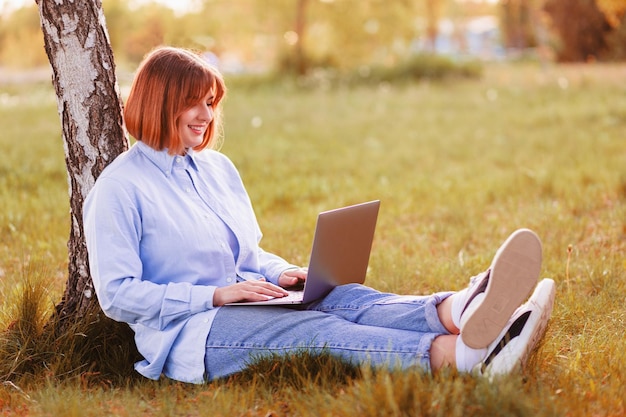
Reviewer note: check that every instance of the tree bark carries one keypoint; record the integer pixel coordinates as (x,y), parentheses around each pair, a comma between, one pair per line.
(90,109)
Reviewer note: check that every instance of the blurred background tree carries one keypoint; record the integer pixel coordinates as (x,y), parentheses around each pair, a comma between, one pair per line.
(584,29)
(518,25)
(295,36)
(21,41)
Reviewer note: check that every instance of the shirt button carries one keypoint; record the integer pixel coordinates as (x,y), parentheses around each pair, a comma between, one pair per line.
(178,159)
(188,189)
(206,320)
(229,279)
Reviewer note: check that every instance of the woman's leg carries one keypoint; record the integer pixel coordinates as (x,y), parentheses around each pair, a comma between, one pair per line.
(444,310)
(425,314)
(239,334)
(443,352)
(479,312)
(364,305)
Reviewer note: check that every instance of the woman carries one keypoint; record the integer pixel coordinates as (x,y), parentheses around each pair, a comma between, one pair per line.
(172,238)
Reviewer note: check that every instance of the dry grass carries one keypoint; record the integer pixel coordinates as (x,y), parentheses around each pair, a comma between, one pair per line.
(457,167)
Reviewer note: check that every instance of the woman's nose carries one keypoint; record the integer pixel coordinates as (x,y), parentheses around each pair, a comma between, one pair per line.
(206,114)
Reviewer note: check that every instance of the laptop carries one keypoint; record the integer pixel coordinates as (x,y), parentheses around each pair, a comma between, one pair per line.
(340,254)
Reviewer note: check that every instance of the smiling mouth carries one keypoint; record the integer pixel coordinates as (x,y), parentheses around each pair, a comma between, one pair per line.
(197,129)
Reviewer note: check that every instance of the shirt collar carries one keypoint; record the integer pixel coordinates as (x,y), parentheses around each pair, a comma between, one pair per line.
(191,157)
(163,160)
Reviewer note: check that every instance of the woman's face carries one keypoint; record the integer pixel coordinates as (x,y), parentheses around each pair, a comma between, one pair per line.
(194,121)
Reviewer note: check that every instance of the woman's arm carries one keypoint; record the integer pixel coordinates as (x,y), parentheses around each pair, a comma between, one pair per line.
(113,230)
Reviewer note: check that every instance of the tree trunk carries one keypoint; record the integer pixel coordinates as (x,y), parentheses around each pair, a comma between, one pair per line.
(432,24)
(582,28)
(301,59)
(90,108)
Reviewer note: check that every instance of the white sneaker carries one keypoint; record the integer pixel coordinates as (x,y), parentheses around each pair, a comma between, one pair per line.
(494,295)
(516,342)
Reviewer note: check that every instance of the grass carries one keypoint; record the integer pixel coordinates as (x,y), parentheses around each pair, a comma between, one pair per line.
(457,165)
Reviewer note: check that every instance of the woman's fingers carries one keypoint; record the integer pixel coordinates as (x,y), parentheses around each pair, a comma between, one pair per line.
(258,290)
(263,287)
(292,277)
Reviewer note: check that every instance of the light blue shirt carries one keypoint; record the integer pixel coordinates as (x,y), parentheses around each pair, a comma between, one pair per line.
(163,232)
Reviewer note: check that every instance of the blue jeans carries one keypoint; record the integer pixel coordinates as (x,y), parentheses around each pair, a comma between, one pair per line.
(353,322)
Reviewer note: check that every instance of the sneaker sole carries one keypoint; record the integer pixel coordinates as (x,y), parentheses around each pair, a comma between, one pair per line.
(516,353)
(514,273)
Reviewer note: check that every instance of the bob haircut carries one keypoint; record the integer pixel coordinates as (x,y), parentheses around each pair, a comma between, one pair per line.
(168,82)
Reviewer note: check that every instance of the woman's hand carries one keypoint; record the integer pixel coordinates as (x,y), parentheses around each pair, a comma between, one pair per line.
(292,277)
(257,290)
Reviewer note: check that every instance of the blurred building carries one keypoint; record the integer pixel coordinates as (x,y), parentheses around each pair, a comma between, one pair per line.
(477,37)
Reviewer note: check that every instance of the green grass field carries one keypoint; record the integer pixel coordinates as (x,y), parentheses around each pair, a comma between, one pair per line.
(458,165)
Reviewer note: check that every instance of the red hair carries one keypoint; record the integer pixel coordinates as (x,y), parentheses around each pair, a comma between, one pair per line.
(168,82)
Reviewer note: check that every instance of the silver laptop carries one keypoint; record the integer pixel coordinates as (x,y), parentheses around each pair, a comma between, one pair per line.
(340,253)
